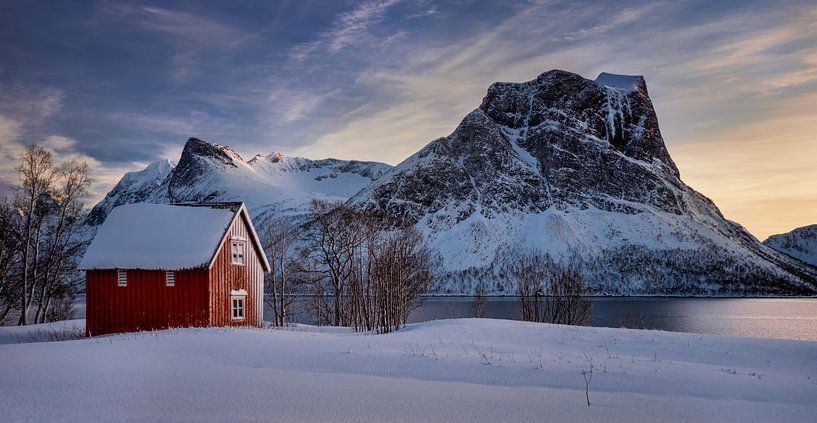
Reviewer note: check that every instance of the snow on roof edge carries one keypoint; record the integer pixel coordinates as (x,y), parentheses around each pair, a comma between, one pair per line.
(177,245)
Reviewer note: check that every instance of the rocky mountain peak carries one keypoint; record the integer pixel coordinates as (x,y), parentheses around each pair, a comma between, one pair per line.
(195,149)
(614,108)
(565,164)
(199,158)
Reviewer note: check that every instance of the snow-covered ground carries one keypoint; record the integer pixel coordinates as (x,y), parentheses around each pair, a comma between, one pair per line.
(465,370)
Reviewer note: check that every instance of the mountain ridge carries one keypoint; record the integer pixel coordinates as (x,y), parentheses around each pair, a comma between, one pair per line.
(560,164)
(800,243)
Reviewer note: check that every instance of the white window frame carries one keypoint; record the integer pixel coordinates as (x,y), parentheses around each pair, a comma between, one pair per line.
(122,278)
(238,307)
(238,252)
(170,278)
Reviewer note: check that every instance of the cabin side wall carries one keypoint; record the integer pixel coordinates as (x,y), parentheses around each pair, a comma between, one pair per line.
(146,303)
(226,277)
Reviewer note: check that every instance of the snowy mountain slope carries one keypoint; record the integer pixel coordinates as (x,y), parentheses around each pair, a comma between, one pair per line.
(272,184)
(132,188)
(568,165)
(800,243)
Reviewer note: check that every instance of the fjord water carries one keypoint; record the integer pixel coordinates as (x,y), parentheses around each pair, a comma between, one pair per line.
(784,318)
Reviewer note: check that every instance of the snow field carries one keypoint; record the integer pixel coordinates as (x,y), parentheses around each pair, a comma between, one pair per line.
(466,370)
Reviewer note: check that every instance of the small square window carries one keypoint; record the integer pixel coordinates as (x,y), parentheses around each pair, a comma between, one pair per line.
(237,249)
(122,278)
(238,308)
(170,278)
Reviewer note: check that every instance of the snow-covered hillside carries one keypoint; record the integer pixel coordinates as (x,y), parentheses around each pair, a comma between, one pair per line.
(468,370)
(134,187)
(800,243)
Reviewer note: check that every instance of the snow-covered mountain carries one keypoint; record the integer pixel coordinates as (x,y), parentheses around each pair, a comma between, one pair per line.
(800,243)
(572,166)
(562,164)
(269,185)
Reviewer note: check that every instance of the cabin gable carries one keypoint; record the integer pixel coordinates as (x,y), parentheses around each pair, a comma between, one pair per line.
(230,281)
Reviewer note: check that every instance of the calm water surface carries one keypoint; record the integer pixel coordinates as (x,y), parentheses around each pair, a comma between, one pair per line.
(785,318)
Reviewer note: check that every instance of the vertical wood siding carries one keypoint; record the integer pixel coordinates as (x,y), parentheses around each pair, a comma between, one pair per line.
(146,303)
(226,277)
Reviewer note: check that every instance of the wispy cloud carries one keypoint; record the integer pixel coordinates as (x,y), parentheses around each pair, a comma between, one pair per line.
(192,36)
(176,25)
(294,105)
(348,28)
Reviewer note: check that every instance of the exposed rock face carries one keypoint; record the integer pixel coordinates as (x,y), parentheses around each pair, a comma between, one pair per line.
(571,166)
(800,243)
(559,140)
(198,162)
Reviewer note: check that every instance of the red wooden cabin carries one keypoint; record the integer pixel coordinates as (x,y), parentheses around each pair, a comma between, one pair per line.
(157,266)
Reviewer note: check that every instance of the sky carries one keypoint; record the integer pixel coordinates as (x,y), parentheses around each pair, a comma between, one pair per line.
(122,84)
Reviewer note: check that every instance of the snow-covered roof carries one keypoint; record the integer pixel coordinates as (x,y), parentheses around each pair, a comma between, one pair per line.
(160,236)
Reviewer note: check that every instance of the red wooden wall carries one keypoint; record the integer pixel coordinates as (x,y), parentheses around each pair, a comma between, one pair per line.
(226,277)
(147,303)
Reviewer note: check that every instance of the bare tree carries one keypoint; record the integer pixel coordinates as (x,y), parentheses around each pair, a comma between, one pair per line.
(41,241)
(374,272)
(9,258)
(403,274)
(480,303)
(551,292)
(530,273)
(61,244)
(37,175)
(565,301)
(328,243)
(283,275)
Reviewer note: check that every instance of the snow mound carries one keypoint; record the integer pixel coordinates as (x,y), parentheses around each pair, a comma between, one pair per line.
(62,330)
(157,236)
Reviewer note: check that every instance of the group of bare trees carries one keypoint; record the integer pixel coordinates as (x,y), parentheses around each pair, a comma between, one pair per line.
(40,246)
(550,291)
(360,270)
